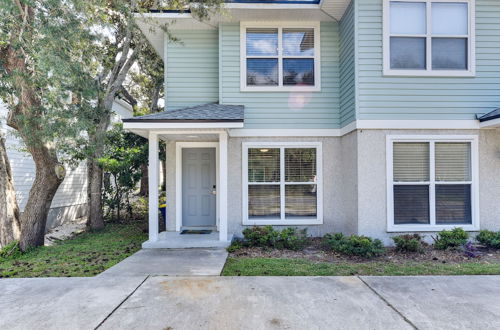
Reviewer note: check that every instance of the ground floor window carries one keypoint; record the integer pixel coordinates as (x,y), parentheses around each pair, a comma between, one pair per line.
(282,183)
(432,182)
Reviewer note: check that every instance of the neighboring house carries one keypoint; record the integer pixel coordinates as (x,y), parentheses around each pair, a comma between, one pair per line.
(70,201)
(356,116)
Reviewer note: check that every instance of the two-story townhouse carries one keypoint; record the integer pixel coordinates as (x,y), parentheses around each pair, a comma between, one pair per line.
(371,117)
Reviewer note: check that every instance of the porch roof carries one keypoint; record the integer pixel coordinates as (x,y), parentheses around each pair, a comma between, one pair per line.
(495,114)
(206,113)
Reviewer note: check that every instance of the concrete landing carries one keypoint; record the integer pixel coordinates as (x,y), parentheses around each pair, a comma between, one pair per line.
(174,240)
(170,262)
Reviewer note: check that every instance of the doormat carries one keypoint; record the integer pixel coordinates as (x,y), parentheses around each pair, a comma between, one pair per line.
(196,232)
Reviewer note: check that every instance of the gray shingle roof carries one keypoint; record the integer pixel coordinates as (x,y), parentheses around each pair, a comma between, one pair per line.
(495,114)
(211,112)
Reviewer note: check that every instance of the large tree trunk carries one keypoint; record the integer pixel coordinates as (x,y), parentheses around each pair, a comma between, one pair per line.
(144,181)
(47,180)
(97,138)
(9,210)
(94,190)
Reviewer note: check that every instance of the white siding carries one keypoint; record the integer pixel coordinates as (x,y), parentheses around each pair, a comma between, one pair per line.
(73,190)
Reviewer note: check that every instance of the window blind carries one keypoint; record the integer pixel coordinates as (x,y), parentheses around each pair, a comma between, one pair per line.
(453,161)
(411,161)
(300,165)
(264,165)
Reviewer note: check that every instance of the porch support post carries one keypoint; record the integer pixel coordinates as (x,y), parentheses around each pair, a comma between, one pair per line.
(153,176)
(223,186)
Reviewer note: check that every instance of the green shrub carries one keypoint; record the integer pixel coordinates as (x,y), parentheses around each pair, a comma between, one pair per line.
(489,238)
(408,243)
(289,238)
(235,246)
(451,239)
(354,245)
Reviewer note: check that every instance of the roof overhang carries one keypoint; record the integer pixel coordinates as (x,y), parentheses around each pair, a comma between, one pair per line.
(490,119)
(144,128)
(150,23)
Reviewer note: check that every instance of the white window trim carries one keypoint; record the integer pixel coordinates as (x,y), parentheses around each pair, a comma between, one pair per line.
(471,72)
(280,26)
(473,140)
(319,184)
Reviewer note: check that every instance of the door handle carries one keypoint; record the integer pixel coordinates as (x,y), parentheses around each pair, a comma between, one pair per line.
(214,191)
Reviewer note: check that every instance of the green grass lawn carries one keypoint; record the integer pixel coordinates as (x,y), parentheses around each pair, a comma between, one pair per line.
(301,267)
(86,254)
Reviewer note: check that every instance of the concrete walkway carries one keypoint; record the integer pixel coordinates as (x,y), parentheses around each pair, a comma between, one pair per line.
(159,302)
(170,262)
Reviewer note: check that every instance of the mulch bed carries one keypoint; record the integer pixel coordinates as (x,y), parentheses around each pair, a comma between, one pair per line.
(315,252)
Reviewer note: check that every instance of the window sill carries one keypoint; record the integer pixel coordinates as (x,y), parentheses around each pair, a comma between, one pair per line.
(424,73)
(281,89)
(428,228)
(286,222)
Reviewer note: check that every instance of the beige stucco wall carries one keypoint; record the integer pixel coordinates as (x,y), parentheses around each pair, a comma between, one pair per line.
(372,201)
(354,181)
(334,200)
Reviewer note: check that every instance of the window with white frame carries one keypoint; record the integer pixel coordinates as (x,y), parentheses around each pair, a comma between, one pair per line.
(429,37)
(282,184)
(279,57)
(431,183)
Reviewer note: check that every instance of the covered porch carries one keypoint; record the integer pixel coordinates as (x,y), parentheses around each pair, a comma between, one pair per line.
(196,174)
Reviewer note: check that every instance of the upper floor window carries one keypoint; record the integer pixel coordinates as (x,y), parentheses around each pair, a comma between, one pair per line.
(429,38)
(279,58)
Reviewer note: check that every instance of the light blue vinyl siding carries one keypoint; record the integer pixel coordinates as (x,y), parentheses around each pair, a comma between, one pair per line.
(347,67)
(192,76)
(427,97)
(278,109)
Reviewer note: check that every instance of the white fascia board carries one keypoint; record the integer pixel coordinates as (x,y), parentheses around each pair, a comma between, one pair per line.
(160,126)
(494,123)
(264,6)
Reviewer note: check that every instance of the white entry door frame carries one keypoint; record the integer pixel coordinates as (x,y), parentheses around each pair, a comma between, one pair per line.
(179,146)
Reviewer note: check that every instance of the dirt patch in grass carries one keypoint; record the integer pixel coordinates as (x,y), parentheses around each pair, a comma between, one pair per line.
(315,253)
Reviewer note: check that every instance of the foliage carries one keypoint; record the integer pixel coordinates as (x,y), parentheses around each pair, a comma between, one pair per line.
(11,250)
(354,245)
(86,254)
(267,236)
(470,250)
(49,89)
(299,267)
(489,238)
(124,154)
(140,208)
(235,246)
(451,239)
(408,243)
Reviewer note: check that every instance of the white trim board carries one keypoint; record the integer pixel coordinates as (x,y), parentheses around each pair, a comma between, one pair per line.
(418,124)
(432,139)
(364,124)
(319,184)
